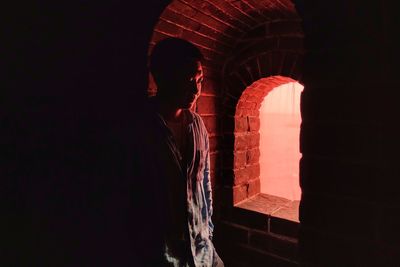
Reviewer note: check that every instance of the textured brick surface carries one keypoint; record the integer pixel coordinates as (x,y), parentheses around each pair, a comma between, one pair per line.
(350,146)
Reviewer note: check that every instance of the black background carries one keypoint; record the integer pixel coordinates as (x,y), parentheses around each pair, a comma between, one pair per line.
(75,78)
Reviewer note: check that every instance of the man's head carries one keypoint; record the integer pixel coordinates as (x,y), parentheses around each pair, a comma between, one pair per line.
(176,68)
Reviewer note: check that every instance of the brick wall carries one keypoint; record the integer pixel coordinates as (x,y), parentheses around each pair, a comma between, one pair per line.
(242,138)
(250,47)
(349,138)
(257,240)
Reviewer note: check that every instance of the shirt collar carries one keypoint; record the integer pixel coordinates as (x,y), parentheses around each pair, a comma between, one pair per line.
(188,113)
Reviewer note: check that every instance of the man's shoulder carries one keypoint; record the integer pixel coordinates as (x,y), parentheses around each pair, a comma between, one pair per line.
(198,120)
(195,117)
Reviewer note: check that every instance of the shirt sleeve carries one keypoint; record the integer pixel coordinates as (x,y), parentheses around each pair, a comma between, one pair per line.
(207,185)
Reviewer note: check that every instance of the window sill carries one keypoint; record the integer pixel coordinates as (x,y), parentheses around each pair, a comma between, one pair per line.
(272,206)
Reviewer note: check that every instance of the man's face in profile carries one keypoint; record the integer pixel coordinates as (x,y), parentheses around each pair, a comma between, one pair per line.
(187,85)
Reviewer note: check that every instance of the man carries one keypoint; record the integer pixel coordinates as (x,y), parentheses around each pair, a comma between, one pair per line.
(178,151)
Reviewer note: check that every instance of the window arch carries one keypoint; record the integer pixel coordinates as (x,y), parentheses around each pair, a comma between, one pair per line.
(247,154)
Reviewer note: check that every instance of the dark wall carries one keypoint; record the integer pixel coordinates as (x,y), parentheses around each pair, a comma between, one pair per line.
(349,210)
(75,79)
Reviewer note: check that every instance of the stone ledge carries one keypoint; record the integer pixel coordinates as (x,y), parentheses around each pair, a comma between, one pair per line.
(281,215)
(272,206)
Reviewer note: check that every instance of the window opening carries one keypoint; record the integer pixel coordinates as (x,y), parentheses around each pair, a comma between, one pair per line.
(280,121)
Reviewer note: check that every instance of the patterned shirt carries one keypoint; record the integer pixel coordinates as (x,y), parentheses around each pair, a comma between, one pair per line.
(185,185)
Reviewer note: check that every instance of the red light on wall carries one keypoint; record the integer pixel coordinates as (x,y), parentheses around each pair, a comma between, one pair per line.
(279,141)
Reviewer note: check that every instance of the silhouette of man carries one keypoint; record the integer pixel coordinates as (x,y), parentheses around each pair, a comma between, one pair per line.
(176,153)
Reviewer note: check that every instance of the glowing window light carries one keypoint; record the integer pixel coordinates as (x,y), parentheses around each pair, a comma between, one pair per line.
(279,141)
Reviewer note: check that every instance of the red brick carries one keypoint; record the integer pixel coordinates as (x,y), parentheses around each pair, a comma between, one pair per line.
(211,123)
(212,55)
(254,124)
(241,124)
(246,105)
(251,105)
(208,105)
(259,94)
(253,99)
(246,174)
(182,8)
(252,156)
(239,193)
(254,187)
(212,22)
(214,157)
(239,160)
(233,12)
(241,142)
(212,64)
(254,171)
(248,111)
(216,12)
(234,160)
(215,142)
(169,28)
(241,176)
(253,140)
(211,87)
(158,36)
(195,25)
(201,40)
(254,113)
(210,73)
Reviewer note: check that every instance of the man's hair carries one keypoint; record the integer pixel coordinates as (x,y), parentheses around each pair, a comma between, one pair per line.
(171,56)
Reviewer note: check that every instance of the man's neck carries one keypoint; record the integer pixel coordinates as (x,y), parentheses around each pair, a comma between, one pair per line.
(169,113)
